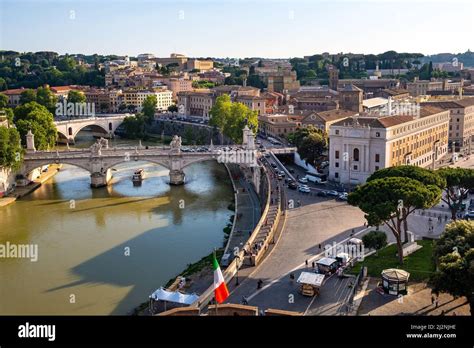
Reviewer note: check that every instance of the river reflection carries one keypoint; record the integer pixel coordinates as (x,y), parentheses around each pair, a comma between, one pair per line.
(103,251)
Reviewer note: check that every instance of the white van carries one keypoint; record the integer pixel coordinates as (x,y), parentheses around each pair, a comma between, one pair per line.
(313,179)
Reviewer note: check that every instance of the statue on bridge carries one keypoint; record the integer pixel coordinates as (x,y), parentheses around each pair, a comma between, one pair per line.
(176,144)
(98,146)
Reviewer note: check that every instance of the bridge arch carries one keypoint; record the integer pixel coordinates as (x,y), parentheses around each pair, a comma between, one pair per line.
(93,126)
(139,159)
(32,165)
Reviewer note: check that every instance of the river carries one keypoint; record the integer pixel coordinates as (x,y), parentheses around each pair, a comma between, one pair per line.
(103,251)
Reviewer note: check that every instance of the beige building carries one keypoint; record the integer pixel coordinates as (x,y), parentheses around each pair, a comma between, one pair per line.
(280,125)
(196,103)
(201,65)
(421,87)
(176,85)
(174,58)
(324,119)
(279,81)
(461,123)
(137,97)
(361,145)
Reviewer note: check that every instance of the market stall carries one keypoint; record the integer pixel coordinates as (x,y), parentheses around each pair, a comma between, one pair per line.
(310,283)
(394,281)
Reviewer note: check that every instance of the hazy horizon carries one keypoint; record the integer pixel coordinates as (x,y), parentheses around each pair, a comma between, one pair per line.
(237,29)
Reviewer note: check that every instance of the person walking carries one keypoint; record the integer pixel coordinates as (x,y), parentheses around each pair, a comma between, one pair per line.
(306,263)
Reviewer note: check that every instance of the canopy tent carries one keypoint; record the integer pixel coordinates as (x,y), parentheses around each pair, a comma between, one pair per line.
(313,279)
(173,296)
(326,261)
(395,274)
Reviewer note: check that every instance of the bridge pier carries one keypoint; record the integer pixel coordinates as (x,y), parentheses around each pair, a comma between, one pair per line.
(101,179)
(176,177)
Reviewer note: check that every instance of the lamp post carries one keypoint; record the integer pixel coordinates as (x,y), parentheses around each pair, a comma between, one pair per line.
(237,264)
(435,153)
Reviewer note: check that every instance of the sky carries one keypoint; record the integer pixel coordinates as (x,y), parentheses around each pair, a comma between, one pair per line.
(236,28)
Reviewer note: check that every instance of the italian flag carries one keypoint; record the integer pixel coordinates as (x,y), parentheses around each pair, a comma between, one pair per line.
(220,289)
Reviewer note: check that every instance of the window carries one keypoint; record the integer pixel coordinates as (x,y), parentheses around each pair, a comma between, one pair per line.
(377,134)
(377,168)
(356,154)
(377,157)
(336,164)
(356,167)
(337,131)
(337,154)
(336,175)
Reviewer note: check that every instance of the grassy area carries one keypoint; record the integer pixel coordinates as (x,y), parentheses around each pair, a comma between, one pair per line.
(419,264)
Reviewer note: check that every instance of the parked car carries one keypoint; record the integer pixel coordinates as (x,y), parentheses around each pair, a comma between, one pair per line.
(469,215)
(304,189)
(273,165)
(282,173)
(292,171)
(267,155)
(280,177)
(342,197)
(333,193)
(292,185)
(303,180)
(322,194)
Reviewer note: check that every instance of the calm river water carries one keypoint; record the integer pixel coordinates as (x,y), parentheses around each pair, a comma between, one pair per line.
(106,252)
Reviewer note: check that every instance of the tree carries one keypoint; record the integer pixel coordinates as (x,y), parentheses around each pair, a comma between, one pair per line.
(45,97)
(35,117)
(375,240)
(149,108)
(458,183)
(173,108)
(382,201)
(134,126)
(76,97)
(10,149)
(424,176)
(231,118)
(310,142)
(3,101)
(27,96)
(454,256)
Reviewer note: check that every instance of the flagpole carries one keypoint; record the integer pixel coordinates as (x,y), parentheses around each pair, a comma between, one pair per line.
(215,256)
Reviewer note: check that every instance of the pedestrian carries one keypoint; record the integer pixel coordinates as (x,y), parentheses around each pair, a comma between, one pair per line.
(445,218)
(259,284)
(436,303)
(312,264)
(292,277)
(319,246)
(352,233)
(306,262)
(432,299)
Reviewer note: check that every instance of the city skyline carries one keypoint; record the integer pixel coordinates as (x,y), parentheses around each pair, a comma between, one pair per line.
(162,27)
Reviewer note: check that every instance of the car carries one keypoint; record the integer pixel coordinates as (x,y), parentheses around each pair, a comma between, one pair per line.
(304,189)
(322,194)
(273,165)
(267,155)
(282,173)
(469,216)
(292,185)
(342,197)
(279,177)
(292,171)
(303,180)
(333,193)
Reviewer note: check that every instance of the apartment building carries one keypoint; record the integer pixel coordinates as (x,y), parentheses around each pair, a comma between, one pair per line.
(174,58)
(176,85)
(14,96)
(281,80)
(280,125)
(421,87)
(196,103)
(324,119)
(360,146)
(137,97)
(461,123)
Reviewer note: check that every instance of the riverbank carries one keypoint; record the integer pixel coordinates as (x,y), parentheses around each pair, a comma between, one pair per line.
(21,191)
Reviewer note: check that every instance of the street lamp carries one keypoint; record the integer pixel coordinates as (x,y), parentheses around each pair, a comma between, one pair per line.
(435,153)
(237,264)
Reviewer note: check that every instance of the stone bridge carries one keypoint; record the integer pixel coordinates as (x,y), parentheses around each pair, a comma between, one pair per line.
(103,126)
(99,159)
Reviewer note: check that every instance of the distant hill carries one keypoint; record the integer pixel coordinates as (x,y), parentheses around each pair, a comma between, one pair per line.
(467,58)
